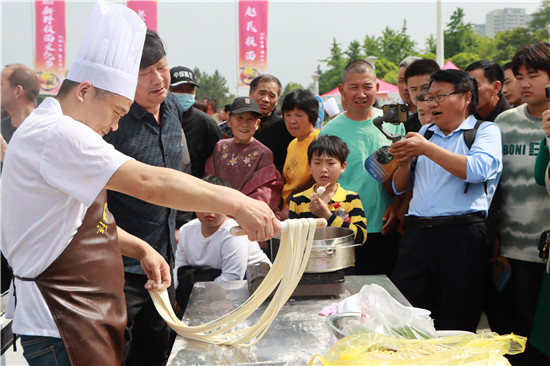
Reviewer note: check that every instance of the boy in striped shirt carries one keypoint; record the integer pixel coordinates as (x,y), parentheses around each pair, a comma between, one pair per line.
(326,198)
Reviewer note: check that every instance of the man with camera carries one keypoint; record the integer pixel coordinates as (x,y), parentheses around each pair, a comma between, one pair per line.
(443,255)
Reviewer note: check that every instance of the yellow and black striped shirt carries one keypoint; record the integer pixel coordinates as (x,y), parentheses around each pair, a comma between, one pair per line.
(350,201)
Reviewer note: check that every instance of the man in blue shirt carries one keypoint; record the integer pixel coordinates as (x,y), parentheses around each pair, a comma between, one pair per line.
(443,256)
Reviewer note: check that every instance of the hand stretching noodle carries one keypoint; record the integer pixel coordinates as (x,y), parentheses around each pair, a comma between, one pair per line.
(287,270)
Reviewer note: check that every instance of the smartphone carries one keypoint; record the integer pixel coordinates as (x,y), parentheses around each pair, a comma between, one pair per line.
(398,111)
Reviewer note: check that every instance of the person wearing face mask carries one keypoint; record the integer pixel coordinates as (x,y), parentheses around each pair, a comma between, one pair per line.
(201,131)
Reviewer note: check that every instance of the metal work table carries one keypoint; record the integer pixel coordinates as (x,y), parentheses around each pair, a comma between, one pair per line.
(295,336)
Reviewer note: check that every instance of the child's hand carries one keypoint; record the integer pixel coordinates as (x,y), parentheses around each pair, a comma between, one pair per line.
(318,207)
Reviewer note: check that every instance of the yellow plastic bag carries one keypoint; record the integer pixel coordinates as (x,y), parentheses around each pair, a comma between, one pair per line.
(374,349)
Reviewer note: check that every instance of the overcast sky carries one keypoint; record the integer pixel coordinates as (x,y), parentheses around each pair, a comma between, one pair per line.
(203,33)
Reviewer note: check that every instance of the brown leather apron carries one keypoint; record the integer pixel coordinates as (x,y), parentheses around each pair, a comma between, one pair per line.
(84,290)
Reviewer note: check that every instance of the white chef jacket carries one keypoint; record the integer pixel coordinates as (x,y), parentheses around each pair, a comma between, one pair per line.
(54,169)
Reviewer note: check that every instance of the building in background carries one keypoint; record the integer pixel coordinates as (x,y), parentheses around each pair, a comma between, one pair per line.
(504,19)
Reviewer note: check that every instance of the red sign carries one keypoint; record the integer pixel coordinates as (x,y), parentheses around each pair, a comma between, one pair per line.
(252,40)
(50,44)
(147,11)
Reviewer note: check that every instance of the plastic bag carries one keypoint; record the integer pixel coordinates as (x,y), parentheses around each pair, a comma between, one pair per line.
(382,314)
(469,349)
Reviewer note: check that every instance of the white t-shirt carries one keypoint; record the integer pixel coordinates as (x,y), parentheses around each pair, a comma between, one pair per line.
(221,250)
(54,169)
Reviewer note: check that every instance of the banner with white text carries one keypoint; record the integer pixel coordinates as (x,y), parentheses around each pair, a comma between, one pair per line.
(252,40)
(49,63)
(147,11)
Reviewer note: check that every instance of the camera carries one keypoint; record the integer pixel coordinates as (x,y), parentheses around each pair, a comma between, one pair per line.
(395,113)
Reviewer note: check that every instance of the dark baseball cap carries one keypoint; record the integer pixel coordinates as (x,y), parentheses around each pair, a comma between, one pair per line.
(182,75)
(243,105)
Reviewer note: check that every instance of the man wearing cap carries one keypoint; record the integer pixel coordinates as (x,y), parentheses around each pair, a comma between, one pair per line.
(201,131)
(62,242)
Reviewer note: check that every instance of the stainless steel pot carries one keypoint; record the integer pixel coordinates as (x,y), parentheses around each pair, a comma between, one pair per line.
(333,249)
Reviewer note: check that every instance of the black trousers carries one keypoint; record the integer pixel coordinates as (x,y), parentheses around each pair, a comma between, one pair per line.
(513,310)
(147,336)
(377,255)
(443,269)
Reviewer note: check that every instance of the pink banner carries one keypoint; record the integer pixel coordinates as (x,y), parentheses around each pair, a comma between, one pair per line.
(147,11)
(252,40)
(49,61)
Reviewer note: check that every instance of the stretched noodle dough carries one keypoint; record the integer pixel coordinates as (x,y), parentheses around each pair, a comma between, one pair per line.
(285,273)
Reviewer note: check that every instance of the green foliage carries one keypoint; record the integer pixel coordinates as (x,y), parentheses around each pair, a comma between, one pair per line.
(541,18)
(459,36)
(430,56)
(385,68)
(336,63)
(396,45)
(213,86)
(431,46)
(463,59)
(354,51)
(287,89)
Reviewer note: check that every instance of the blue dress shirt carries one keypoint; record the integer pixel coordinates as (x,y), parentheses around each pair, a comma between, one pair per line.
(436,192)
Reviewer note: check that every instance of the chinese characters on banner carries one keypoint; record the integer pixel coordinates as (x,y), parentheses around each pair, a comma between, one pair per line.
(147,11)
(252,40)
(49,62)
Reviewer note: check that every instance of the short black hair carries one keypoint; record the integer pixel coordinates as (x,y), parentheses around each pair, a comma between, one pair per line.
(534,57)
(153,49)
(227,107)
(333,146)
(462,81)
(424,66)
(506,66)
(216,180)
(303,100)
(265,78)
(357,67)
(491,70)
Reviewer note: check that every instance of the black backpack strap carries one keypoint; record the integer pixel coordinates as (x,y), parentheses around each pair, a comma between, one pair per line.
(470,135)
(469,138)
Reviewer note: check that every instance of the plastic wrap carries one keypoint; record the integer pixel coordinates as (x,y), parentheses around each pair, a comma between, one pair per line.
(374,349)
(382,314)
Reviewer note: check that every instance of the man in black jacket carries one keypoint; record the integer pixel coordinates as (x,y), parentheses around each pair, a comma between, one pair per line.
(265,90)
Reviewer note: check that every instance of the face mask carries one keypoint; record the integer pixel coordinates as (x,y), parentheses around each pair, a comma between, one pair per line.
(186,100)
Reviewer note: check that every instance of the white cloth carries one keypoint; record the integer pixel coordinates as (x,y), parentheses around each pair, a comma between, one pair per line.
(221,250)
(53,172)
(110,50)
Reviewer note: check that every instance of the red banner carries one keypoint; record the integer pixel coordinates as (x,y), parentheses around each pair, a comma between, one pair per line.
(49,61)
(252,40)
(147,11)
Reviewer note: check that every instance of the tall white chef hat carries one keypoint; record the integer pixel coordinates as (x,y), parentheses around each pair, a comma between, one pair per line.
(110,51)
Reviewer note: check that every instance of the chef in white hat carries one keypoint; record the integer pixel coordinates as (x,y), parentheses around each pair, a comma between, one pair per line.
(67,300)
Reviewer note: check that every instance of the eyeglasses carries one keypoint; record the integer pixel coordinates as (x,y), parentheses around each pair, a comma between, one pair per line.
(439,97)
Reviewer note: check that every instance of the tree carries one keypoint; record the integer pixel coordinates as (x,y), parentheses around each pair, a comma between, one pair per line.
(463,59)
(541,18)
(385,69)
(431,44)
(336,64)
(213,86)
(372,46)
(396,45)
(287,89)
(459,36)
(354,51)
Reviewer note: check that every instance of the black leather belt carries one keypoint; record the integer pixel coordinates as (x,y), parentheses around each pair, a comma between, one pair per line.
(426,222)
